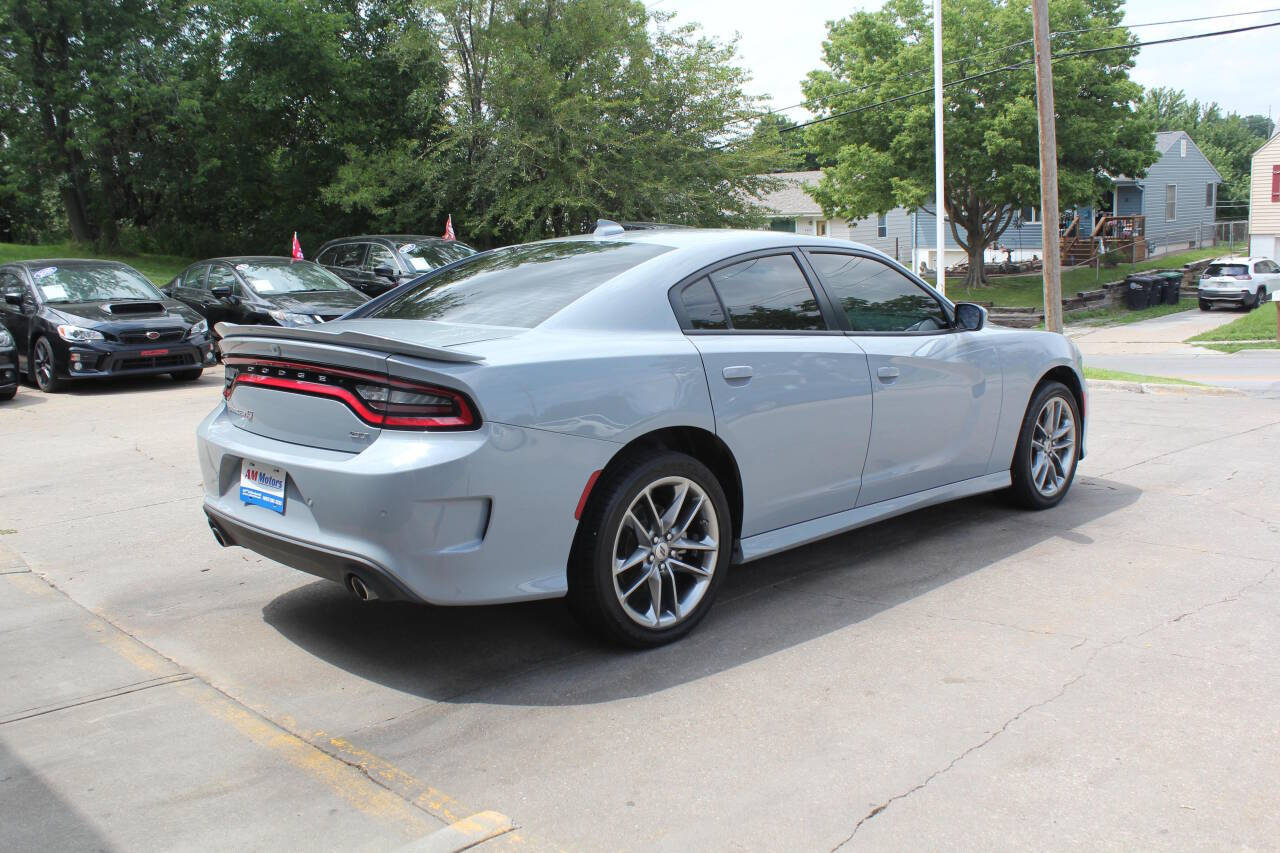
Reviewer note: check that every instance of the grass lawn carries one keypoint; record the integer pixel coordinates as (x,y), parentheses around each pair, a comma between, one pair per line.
(1258,325)
(1118,315)
(1028,290)
(158,268)
(1230,348)
(1123,376)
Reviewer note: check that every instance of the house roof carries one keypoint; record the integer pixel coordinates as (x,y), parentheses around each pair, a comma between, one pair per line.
(791,199)
(1165,140)
(1270,143)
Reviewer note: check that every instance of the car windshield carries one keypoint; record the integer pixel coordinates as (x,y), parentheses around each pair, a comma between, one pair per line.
(1225,270)
(427,256)
(89,283)
(296,277)
(518,286)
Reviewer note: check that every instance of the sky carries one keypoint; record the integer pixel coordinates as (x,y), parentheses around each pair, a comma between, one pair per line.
(780,43)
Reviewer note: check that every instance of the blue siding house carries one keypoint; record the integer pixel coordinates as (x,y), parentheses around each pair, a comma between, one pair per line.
(1169,209)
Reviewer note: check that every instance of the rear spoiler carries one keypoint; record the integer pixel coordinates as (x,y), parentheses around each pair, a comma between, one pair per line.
(320,335)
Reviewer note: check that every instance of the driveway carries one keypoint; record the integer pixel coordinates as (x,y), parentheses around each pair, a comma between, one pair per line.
(1155,347)
(1105,674)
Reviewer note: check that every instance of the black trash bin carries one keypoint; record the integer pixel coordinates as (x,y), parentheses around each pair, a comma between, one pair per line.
(1172,282)
(1140,292)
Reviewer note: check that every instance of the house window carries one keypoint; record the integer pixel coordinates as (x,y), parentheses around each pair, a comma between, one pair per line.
(1170,202)
(1029,215)
(1183,147)
(882,225)
(1208,195)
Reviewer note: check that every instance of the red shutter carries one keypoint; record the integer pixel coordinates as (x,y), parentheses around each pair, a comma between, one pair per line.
(1275,183)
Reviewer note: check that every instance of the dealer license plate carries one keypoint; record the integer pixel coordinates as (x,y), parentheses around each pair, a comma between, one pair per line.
(262,485)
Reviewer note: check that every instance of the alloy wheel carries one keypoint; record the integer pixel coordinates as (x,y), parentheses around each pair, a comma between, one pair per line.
(1053,447)
(664,552)
(44,364)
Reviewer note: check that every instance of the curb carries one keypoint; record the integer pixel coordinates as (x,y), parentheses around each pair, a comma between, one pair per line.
(1162,388)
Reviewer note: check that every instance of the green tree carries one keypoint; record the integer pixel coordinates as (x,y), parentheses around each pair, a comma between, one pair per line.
(884,154)
(1227,139)
(563,111)
(774,130)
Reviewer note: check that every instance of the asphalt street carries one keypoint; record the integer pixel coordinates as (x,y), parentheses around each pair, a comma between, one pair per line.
(1100,676)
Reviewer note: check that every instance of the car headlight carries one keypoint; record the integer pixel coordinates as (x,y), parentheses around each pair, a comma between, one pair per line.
(6,339)
(286,318)
(200,328)
(79,335)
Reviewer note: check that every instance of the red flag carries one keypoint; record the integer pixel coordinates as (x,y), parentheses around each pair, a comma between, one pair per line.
(448,228)
(297,247)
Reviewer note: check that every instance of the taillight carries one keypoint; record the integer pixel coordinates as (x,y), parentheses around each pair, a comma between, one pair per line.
(376,400)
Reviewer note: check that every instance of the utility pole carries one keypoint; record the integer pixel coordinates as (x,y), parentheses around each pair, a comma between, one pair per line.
(939,173)
(1048,168)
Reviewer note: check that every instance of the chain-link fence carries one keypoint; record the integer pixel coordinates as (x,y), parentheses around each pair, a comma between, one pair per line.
(1228,235)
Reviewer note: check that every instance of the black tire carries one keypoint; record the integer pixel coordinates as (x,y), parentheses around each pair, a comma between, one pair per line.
(1250,302)
(8,395)
(44,368)
(1024,490)
(187,375)
(1206,305)
(1260,298)
(595,599)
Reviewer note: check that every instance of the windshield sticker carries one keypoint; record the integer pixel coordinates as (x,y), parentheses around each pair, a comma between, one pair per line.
(53,291)
(420,263)
(39,274)
(242,267)
(262,284)
(407,248)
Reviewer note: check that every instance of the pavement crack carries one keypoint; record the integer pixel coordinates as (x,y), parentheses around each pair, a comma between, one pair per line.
(78,702)
(1066,685)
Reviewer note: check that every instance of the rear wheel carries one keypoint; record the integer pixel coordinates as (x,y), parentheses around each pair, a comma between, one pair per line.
(187,375)
(652,550)
(1205,305)
(1250,302)
(1044,463)
(43,368)
(1260,297)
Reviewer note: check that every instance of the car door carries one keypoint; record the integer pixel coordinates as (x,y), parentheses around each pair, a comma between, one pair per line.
(16,317)
(346,261)
(378,260)
(936,389)
(223,309)
(190,289)
(1268,272)
(791,396)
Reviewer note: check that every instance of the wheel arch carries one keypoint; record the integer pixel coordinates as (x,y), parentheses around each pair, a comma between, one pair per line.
(1068,377)
(701,444)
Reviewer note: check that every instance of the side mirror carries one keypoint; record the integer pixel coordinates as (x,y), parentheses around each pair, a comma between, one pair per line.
(385,272)
(222,291)
(970,317)
(13,298)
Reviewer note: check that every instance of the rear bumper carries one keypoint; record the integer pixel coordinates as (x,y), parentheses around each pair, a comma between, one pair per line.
(1235,296)
(477,517)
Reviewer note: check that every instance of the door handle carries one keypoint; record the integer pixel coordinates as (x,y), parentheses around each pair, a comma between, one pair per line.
(737,373)
(887,374)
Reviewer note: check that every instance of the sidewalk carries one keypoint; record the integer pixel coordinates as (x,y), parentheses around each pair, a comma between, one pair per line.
(1155,347)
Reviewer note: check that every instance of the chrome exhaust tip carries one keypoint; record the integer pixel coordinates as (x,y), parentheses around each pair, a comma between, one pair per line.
(219,535)
(359,589)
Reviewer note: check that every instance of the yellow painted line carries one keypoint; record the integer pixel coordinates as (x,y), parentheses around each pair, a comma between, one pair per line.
(462,835)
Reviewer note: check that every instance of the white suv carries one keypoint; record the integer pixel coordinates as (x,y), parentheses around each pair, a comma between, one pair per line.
(1239,281)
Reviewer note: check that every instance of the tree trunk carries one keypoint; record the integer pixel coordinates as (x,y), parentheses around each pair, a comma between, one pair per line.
(977,274)
(77,216)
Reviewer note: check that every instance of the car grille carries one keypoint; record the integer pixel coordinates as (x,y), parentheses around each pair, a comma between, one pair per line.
(154,361)
(141,337)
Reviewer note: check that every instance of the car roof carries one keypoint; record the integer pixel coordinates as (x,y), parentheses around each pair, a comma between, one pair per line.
(1237,259)
(391,238)
(727,239)
(255,259)
(66,262)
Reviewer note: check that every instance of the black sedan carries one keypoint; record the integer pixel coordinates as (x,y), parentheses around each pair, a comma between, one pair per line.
(8,365)
(375,263)
(266,291)
(78,319)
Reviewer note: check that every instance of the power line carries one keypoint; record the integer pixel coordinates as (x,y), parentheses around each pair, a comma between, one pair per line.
(1008,47)
(1026,63)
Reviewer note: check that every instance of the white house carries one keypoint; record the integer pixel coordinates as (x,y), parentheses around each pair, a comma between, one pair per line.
(1264,201)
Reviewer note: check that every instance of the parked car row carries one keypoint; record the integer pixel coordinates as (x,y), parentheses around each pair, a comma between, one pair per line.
(63,320)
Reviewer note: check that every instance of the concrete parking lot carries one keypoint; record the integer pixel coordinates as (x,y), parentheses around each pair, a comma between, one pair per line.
(1103,675)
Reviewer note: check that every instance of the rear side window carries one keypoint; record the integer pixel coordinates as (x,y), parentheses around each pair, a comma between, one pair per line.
(517,286)
(701,306)
(876,297)
(768,294)
(194,278)
(347,255)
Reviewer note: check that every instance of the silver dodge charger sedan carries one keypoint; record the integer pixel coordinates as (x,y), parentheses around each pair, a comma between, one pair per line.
(619,417)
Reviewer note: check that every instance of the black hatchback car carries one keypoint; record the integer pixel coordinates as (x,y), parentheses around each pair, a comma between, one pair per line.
(261,290)
(79,319)
(375,263)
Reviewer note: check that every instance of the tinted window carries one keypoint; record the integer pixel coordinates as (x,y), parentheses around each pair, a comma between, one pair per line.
(768,293)
(295,277)
(89,283)
(518,286)
(1223,270)
(10,285)
(194,278)
(219,277)
(701,306)
(876,297)
(326,257)
(346,255)
(379,256)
